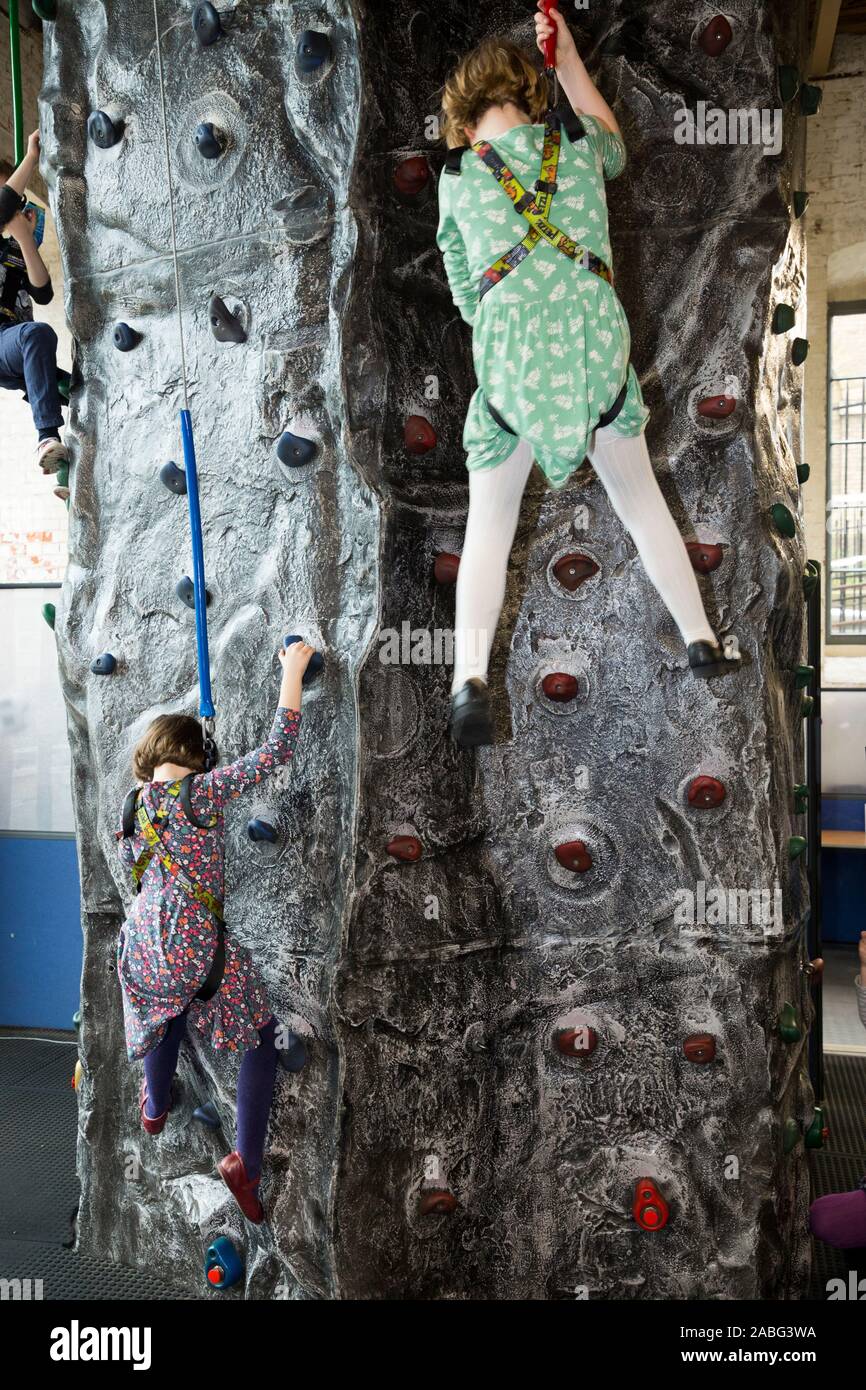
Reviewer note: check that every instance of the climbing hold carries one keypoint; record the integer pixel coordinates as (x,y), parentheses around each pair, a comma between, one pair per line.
(46,9)
(576,1042)
(207,1114)
(437,1201)
(790,1135)
(262,830)
(405,847)
(126,338)
(574,856)
(173,478)
(807,706)
(699,1048)
(789,82)
(317,661)
(225,326)
(796,845)
(206,23)
(411,176)
(704,557)
(560,686)
(185,590)
(717,407)
(801,202)
(815,1132)
(803,676)
(799,351)
(294,1055)
(784,318)
(222,1264)
(76,1019)
(207,141)
(64,384)
(815,970)
(789,1029)
(783,520)
(649,1208)
(77,1075)
(801,799)
(103,131)
(704,792)
(810,99)
(573,570)
(104,665)
(803,471)
(811,576)
(61,479)
(49,613)
(314,50)
(445,567)
(716,37)
(293,450)
(419,435)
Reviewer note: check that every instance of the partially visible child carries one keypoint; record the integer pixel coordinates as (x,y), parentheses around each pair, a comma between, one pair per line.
(172,942)
(28,350)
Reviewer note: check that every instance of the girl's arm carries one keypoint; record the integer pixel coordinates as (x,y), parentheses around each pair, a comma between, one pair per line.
(19,180)
(861,983)
(450,241)
(39,281)
(575,81)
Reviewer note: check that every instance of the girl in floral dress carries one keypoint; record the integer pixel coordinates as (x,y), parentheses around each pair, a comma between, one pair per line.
(172,940)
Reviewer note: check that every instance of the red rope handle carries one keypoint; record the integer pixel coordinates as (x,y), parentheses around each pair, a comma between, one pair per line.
(549,44)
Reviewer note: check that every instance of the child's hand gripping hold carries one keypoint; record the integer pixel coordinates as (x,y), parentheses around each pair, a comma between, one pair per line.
(294,661)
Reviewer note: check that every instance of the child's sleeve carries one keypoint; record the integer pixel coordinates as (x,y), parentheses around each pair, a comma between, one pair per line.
(450,241)
(224,783)
(41,294)
(610,146)
(861,998)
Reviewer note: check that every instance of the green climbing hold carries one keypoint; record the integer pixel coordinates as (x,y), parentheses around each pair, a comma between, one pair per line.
(64,384)
(796,845)
(790,1135)
(46,9)
(76,1019)
(801,202)
(799,351)
(784,318)
(807,706)
(789,81)
(801,799)
(783,520)
(810,99)
(811,576)
(803,471)
(789,1029)
(803,676)
(815,1132)
(49,613)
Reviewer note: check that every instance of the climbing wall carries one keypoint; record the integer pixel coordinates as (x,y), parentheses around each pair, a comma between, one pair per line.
(529,1076)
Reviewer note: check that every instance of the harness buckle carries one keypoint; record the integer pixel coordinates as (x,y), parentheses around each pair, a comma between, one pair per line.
(546,185)
(524,202)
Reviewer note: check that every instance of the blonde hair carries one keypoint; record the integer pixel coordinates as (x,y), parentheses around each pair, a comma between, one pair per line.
(172,738)
(495,72)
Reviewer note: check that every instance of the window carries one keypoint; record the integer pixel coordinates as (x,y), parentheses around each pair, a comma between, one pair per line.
(846,473)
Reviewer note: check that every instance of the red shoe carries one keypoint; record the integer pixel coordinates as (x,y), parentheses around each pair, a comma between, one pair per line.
(234,1175)
(152,1126)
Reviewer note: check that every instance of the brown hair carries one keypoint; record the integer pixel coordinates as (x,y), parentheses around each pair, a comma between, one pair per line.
(495,72)
(172,738)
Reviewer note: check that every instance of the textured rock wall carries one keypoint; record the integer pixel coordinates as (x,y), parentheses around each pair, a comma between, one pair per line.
(436,992)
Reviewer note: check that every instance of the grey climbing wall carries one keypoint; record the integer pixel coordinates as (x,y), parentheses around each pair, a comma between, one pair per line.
(497,1039)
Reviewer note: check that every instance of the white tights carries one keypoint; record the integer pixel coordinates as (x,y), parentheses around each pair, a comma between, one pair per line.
(623,466)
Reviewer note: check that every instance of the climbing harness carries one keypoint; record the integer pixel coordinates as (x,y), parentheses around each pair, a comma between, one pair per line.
(206,708)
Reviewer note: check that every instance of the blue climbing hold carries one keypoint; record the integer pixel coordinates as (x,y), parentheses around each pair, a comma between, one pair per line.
(294,1055)
(173,478)
(207,1115)
(262,830)
(206,23)
(207,141)
(294,451)
(222,1264)
(185,590)
(314,50)
(103,131)
(104,665)
(317,661)
(126,338)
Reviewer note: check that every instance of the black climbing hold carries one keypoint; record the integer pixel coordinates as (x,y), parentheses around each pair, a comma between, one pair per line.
(811,577)
(317,661)
(207,141)
(173,478)
(294,1055)
(207,1115)
(125,338)
(293,450)
(801,202)
(207,25)
(185,590)
(46,9)
(784,318)
(803,677)
(799,351)
(103,131)
(789,82)
(103,665)
(225,326)
(314,50)
(810,99)
(783,520)
(262,831)
(803,471)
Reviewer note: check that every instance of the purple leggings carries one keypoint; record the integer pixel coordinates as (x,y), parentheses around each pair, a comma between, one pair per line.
(255,1087)
(840,1219)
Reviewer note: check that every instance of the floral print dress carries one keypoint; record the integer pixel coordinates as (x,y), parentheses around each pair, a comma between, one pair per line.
(167,943)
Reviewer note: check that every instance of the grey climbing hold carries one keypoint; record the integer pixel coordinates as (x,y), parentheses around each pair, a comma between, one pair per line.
(103,131)
(125,338)
(185,590)
(314,50)
(293,450)
(294,1055)
(207,25)
(225,326)
(104,665)
(207,141)
(173,478)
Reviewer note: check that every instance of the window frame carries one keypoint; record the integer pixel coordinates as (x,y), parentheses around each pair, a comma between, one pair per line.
(831,639)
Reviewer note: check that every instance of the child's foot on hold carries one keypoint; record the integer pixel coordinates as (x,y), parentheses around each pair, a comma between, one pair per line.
(50,454)
(709,659)
(152,1126)
(245,1192)
(471,724)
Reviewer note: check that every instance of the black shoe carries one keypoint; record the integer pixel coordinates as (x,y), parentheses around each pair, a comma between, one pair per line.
(709,659)
(471,724)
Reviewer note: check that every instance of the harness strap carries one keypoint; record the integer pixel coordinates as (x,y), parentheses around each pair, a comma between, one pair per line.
(155,849)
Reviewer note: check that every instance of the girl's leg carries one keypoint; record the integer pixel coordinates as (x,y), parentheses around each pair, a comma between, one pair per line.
(494,507)
(255,1093)
(160,1066)
(624,468)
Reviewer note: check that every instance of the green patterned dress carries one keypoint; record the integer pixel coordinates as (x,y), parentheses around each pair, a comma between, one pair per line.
(550,341)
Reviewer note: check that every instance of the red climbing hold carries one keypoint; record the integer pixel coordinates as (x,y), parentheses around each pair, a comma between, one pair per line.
(815,970)
(437,1201)
(706,791)
(700,1047)
(573,570)
(419,435)
(716,37)
(574,856)
(445,567)
(405,847)
(576,1042)
(560,686)
(704,557)
(717,407)
(650,1210)
(411,176)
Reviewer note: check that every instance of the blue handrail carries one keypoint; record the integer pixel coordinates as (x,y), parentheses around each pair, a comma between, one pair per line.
(205,709)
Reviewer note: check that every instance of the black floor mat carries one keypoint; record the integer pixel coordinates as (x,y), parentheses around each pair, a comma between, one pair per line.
(840,1165)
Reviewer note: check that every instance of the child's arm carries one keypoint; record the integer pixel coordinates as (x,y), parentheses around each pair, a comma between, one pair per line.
(19,180)
(861,983)
(450,241)
(38,280)
(574,79)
